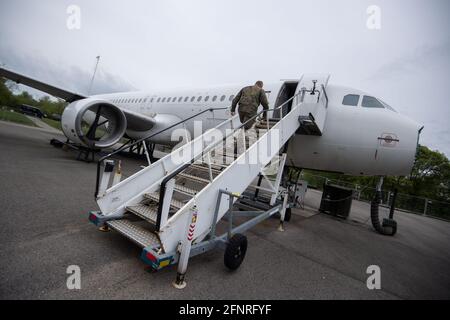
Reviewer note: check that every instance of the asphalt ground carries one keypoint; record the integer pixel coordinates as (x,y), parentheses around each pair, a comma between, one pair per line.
(45,197)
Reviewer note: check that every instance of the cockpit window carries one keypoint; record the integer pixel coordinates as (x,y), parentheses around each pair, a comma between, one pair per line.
(371,102)
(350,100)
(387,106)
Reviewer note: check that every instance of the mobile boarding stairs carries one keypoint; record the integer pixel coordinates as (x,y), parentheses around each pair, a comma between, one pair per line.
(171,207)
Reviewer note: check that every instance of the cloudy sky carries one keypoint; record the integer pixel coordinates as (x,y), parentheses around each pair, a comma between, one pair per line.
(168,44)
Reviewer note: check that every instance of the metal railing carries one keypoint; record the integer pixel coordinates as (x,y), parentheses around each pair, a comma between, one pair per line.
(404,202)
(209,148)
(127,145)
(206,149)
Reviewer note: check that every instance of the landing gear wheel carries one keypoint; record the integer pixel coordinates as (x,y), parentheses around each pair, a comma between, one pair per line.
(235,251)
(287,215)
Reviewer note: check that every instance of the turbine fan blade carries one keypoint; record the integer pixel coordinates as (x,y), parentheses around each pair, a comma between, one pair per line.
(91,132)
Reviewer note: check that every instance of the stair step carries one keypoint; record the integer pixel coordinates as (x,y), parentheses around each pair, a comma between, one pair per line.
(204,168)
(146,212)
(175,204)
(186,190)
(135,233)
(273,120)
(264,125)
(191,177)
(229,155)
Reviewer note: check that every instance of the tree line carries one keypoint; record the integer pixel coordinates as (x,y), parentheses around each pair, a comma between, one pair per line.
(45,104)
(429,182)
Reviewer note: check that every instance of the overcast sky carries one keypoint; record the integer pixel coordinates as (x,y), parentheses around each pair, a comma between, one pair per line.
(168,44)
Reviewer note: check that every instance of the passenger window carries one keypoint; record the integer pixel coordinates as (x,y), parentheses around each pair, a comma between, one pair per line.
(199,99)
(159,99)
(180,98)
(231,97)
(163,99)
(192,99)
(371,102)
(222,98)
(206,98)
(350,100)
(186,99)
(214,98)
(151,100)
(174,99)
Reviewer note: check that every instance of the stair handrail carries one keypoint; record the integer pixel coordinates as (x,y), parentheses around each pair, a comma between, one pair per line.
(172,175)
(126,145)
(212,145)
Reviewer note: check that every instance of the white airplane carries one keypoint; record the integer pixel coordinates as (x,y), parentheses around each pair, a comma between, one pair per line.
(362,135)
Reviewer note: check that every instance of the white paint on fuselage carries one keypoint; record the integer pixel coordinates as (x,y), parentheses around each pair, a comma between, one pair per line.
(349,143)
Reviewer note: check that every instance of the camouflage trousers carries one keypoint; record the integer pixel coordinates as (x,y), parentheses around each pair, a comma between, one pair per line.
(246,116)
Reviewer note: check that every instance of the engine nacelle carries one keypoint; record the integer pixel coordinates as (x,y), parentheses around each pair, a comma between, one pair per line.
(79,115)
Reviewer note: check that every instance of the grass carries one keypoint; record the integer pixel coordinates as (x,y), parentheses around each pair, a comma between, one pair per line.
(6,115)
(52,123)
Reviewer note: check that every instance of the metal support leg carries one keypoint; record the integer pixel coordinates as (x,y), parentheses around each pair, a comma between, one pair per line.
(185,250)
(212,233)
(166,202)
(146,152)
(394,198)
(108,167)
(118,173)
(281,163)
(283,211)
(230,218)
(258,185)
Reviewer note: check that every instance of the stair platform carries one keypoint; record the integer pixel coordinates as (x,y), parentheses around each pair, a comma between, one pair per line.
(139,235)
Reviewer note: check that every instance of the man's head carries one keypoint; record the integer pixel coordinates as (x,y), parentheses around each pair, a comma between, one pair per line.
(259,83)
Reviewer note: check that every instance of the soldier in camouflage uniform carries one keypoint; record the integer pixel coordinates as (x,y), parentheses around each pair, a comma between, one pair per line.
(249,99)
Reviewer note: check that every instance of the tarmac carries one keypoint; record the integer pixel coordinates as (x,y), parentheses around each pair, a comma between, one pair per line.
(46,196)
(41,124)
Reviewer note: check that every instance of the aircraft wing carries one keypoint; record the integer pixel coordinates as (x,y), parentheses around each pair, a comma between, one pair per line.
(135,121)
(54,91)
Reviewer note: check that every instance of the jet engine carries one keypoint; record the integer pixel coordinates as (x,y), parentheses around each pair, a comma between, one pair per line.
(94,123)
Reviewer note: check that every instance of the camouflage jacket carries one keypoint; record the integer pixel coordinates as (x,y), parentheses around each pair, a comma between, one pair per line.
(249,99)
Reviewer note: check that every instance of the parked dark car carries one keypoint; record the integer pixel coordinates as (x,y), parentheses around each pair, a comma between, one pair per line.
(31,111)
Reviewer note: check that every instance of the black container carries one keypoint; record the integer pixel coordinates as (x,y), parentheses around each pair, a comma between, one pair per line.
(336,200)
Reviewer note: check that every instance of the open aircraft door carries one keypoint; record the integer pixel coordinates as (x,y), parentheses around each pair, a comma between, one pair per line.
(315,103)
